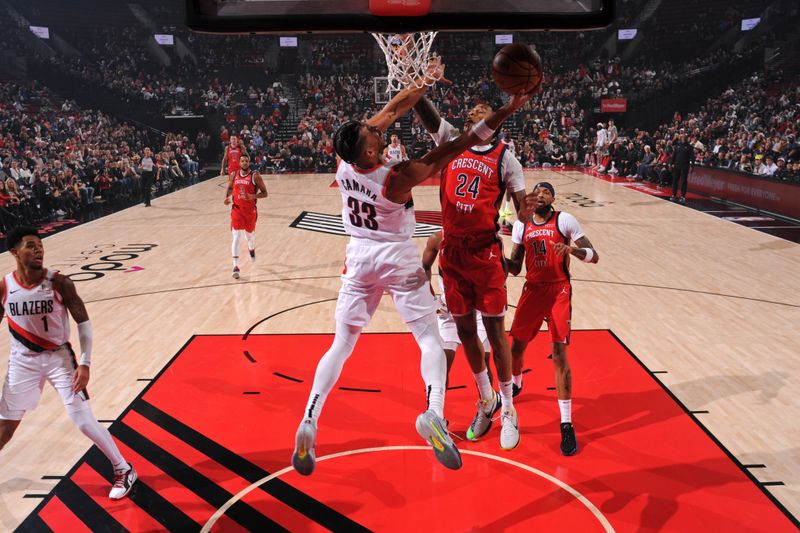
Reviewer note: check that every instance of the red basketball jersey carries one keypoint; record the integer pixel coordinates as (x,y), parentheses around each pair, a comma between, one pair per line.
(543,265)
(471,191)
(244,184)
(234,153)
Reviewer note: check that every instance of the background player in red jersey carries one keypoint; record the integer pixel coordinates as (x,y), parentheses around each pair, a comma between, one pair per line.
(544,243)
(245,186)
(231,156)
(471,258)
(37,304)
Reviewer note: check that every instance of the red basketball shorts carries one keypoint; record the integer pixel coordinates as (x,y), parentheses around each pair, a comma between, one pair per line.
(539,302)
(474,278)
(244,219)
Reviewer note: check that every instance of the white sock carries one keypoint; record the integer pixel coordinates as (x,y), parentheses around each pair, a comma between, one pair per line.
(251,240)
(565,406)
(81,414)
(237,237)
(433,363)
(484,387)
(517,380)
(330,367)
(507,395)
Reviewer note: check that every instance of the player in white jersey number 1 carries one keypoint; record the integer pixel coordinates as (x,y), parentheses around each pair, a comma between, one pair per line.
(395,150)
(36,302)
(378,215)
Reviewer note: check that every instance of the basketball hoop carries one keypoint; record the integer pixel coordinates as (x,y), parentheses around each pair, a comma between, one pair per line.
(408,58)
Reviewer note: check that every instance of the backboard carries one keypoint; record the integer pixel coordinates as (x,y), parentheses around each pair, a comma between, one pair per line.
(296,16)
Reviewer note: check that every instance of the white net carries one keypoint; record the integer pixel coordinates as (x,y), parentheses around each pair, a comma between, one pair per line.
(408,57)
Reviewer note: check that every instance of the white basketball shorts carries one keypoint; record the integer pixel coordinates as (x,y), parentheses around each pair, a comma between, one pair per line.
(449,331)
(26,377)
(372,268)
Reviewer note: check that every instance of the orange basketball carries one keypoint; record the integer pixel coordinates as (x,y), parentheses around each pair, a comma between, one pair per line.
(516,68)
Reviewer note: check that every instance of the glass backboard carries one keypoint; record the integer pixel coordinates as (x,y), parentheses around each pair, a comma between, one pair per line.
(282,16)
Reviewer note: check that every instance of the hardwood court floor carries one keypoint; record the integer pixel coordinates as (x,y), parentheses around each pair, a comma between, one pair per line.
(713,304)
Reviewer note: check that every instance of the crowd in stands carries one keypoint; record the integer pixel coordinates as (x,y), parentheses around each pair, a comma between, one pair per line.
(57,159)
(751,127)
(60,157)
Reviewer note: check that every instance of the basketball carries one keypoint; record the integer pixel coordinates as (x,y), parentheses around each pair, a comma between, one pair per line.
(517,67)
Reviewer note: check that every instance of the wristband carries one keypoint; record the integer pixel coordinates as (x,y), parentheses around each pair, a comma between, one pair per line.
(483,131)
(85,338)
(589,255)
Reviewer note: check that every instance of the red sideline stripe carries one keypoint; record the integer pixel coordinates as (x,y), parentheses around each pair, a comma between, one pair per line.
(58,517)
(124,511)
(44,344)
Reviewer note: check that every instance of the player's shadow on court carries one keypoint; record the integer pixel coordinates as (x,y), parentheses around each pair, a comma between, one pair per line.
(600,418)
(700,392)
(662,487)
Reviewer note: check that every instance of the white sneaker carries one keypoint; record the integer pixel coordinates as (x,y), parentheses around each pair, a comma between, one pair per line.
(483,417)
(304,459)
(123,482)
(509,429)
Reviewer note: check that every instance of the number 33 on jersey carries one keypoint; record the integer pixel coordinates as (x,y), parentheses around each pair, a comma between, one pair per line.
(367,214)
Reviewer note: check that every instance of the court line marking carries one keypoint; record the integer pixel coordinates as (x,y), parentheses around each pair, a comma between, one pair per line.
(578,496)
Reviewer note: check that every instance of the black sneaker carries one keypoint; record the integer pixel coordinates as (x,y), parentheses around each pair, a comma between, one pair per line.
(569,446)
(682,199)
(515,390)
(671,198)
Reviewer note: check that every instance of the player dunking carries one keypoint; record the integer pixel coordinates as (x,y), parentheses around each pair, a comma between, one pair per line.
(381,256)
(395,150)
(245,186)
(232,155)
(36,302)
(544,243)
(471,258)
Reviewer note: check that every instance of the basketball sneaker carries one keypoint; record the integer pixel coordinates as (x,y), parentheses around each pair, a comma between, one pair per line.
(434,430)
(235,272)
(569,445)
(123,482)
(303,459)
(509,429)
(483,418)
(515,390)
(252,255)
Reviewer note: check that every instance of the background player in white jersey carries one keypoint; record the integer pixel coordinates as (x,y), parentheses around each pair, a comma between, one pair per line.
(395,150)
(447,326)
(378,215)
(35,302)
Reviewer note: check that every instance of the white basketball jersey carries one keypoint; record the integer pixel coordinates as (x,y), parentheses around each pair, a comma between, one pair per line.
(37,318)
(366,212)
(394,152)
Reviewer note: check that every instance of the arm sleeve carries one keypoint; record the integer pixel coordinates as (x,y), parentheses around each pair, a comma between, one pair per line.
(569,226)
(512,172)
(517,232)
(447,132)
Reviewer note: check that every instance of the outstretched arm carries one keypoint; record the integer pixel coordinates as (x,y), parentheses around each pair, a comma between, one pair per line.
(410,173)
(428,115)
(396,108)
